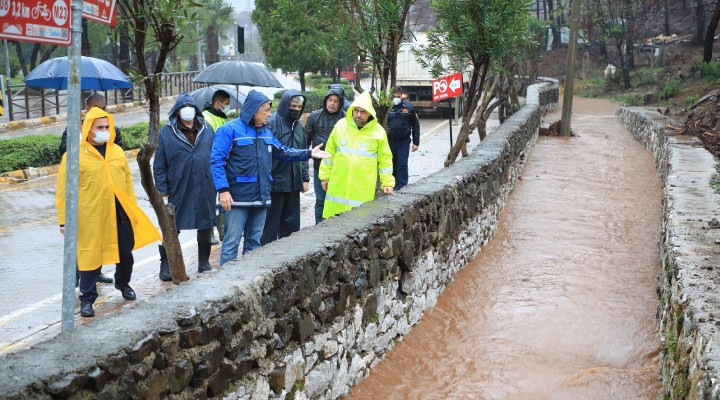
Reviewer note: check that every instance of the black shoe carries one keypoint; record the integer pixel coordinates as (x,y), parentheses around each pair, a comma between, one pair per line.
(204,257)
(164,274)
(127,292)
(86,310)
(104,279)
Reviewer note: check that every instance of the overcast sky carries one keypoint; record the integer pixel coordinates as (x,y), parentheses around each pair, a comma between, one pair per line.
(242,5)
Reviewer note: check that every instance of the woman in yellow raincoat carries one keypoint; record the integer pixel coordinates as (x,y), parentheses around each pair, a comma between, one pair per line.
(110,222)
(360,151)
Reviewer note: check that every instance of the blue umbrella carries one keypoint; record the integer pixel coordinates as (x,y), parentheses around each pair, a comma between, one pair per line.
(95,74)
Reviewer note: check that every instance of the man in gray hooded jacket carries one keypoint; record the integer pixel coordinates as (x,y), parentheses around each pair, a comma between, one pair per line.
(318,127)
(289,179)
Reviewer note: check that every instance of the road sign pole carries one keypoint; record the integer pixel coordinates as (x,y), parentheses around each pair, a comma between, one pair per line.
(72,168)
(450,121)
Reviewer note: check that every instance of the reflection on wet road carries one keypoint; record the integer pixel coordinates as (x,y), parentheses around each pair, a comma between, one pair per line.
(561,303)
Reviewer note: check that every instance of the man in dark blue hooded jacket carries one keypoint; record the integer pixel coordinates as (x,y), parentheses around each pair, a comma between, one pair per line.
(289,179)
(181,169)
(241,165)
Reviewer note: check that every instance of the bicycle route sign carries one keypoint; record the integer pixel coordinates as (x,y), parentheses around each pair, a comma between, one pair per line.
(42,21)
(100,10)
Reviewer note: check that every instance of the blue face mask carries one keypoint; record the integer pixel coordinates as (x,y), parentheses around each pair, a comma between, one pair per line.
(102,136)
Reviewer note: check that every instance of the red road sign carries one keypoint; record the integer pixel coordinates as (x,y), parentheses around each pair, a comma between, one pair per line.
(42,21)
(100,10)
(445,87)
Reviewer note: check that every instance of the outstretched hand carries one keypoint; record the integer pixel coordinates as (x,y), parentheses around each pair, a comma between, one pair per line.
(317,153)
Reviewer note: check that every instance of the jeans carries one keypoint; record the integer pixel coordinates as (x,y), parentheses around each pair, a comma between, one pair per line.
(400,151)
(249,221)
(319,193)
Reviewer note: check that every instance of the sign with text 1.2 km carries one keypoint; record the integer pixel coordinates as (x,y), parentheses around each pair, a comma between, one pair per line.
(41,21)
(445,87)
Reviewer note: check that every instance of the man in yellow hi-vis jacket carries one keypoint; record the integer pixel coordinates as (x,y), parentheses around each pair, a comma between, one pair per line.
(360,151)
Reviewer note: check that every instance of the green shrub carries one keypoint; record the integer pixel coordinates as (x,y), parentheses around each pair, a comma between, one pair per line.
(708,71)
(671,88)
(691,100)
(29,151)
(631,100)
(135,136)
(647,76)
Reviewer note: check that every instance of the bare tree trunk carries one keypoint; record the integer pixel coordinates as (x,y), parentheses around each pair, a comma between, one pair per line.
(301,74)
(699,22)
(85,50)
(211,43)
(710,34)
(21,58)
(124,51)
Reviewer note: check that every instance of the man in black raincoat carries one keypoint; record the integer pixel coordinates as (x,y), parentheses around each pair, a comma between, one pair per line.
(318,127)
(289,179)
(182,173)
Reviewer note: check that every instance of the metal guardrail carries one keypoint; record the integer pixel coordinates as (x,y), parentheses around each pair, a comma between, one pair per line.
(25,102)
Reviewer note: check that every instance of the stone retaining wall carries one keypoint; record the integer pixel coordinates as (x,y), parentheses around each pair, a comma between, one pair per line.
(689,309)
(304,317)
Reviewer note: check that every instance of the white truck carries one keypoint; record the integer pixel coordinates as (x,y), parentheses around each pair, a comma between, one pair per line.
(416,82)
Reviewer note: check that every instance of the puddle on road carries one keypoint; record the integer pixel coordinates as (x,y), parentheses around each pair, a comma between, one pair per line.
(561,303)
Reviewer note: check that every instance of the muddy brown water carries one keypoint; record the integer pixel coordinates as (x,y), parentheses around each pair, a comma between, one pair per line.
(561,303)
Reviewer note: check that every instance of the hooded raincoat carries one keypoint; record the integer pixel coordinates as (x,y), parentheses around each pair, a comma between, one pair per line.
(358,156)
(102,181)
(182,171)
(242,154)
(288,177)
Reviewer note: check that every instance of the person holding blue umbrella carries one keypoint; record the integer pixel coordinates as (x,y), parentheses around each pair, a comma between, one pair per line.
(94,100)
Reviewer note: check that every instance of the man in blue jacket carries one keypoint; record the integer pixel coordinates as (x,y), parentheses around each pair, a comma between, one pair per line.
(402,126)
(241,165)
(289,179)
(181,169)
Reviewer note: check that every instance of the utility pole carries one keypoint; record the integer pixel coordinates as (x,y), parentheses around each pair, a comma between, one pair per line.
(570,70)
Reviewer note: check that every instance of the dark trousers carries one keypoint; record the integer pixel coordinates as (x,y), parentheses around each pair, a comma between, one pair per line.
(400,151)
(319,193)
(283,216)
(123,269)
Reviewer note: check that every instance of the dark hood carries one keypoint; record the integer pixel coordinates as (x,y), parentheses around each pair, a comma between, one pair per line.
(252,103)
(184,99)
(283,109)
(337,91)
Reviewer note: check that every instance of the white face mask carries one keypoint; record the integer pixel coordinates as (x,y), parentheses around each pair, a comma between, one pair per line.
(187,113)
(226,109)
(101,136)
(397,101)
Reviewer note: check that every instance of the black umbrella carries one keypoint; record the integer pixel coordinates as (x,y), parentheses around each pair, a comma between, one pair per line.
(238,73)
(203,96)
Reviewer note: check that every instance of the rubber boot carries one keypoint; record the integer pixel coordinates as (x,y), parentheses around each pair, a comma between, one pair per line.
(164,265)
(204,257)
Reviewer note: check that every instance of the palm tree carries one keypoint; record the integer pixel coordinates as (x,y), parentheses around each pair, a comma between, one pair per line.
(216,16)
